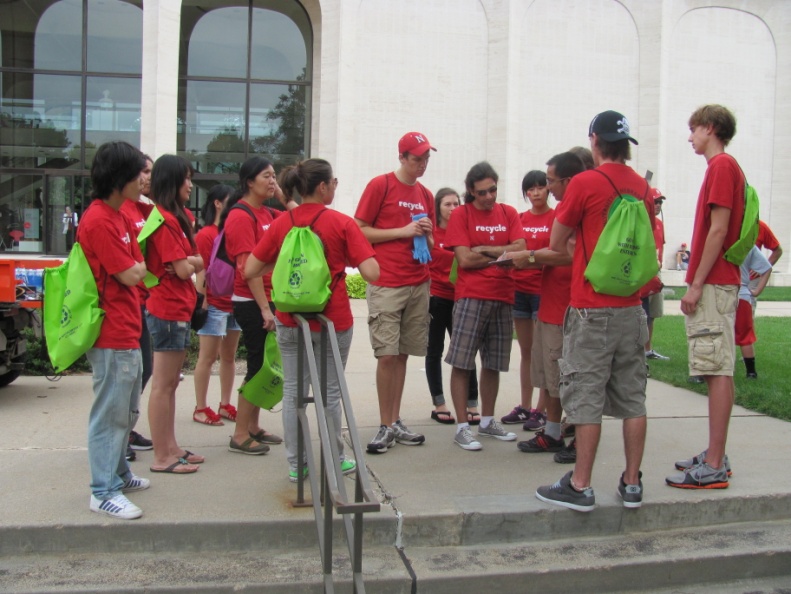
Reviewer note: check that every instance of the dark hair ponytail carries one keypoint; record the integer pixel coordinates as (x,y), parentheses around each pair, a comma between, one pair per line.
(217,194)
(304,177)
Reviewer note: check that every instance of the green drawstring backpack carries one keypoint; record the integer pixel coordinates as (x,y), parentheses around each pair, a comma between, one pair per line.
(624,258)
(72,316)
(301,279)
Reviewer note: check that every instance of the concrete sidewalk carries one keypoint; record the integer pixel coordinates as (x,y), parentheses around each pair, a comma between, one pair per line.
(44,472)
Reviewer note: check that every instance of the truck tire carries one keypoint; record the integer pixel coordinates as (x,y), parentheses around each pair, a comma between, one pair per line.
(9,377)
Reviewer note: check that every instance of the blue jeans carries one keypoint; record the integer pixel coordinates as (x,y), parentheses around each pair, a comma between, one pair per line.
(117,380)
(288,341)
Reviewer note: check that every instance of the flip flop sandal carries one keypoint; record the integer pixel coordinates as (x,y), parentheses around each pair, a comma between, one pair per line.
(172,469)
(266,437)
(190,458)
(473,418)
(443,416)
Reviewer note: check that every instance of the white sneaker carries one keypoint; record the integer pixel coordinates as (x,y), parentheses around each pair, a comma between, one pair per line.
(495,429)
(136,483)
(465,440)
(117,507)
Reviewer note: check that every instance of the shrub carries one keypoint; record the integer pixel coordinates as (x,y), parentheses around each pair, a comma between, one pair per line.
(37,362)
(355,286)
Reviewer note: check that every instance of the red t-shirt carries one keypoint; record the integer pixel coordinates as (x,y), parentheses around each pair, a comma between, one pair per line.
(343,242)
(136,214)
(555,294)
(536,229)
(439,267)
(108,242)
(766,239)
(585,207)
(242,234)
(173,298)
(387,203)
(723,185)
(204,241)
(471,227)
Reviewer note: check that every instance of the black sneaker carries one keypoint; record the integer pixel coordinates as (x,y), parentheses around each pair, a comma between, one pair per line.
(562,493)
(567,455)
(130,454)
(752,375)
(541,443)
(138,442)
(632,495)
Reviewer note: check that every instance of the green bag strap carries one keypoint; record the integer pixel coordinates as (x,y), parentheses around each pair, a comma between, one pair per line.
(154,221)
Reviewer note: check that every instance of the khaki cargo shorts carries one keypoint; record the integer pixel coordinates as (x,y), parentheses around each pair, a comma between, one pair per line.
(710,331)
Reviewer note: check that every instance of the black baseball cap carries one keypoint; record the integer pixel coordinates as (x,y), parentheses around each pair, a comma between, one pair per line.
(611,126)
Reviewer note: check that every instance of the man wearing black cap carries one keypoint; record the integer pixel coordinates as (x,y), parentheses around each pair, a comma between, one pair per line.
(395,214)
(603,365)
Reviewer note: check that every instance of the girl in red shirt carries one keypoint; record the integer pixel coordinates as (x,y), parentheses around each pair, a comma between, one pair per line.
(219,336)
(537,224)
(343,242)
(172,258)
(245,219)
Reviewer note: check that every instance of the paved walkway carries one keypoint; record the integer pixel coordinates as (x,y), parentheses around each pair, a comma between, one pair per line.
(44,472)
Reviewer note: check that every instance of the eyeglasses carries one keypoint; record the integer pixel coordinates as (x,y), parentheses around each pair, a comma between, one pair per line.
(484,193)
(551,181)
(335,182)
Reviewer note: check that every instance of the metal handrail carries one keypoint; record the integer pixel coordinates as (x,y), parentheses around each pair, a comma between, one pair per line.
(333,490)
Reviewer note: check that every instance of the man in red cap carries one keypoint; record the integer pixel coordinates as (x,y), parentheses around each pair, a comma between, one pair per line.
(389,214)
(682,257)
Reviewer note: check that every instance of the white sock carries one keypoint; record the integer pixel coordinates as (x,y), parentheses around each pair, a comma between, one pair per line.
(461,426)
(552,430)
(485,421)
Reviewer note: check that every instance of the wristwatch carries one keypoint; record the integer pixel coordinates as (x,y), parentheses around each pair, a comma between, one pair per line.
(532,257)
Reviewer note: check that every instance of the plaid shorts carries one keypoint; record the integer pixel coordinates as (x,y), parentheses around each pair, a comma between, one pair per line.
(485,326)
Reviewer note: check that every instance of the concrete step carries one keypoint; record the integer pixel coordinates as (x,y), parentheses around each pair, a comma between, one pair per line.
(493,519)
(666,561)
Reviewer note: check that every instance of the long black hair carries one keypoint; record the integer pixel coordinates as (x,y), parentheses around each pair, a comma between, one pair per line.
(217,194)
(167,176)
(247,174)
(478,172)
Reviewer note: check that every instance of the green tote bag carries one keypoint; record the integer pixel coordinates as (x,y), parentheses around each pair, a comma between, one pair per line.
(72,316)
(265,388)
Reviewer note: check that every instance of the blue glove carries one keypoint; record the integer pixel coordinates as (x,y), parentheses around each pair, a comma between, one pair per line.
(421,252)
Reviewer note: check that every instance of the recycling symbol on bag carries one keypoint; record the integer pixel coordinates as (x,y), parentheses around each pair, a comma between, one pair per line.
(65,316)
(295,279)
(626,268)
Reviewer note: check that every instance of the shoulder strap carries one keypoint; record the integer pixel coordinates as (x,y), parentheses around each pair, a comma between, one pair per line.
(242,206)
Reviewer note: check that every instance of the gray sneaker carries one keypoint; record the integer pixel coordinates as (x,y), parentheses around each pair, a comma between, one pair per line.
(701,476)
(695,460)
(563,494)
(385,438)
(632,495)
(406,437)
(652,354)
(465,440)
(496,430)
(567,455)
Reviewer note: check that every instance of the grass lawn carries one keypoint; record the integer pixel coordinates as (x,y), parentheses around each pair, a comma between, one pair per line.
(769,294)
(770,394)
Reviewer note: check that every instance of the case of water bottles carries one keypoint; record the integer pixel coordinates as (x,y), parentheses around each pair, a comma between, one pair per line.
(31,281)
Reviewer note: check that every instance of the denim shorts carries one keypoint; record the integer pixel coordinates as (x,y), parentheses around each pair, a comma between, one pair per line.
(167,335)
(526,305)
(218,323)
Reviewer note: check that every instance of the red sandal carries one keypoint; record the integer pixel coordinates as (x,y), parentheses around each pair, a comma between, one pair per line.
(227,411)
(211,417)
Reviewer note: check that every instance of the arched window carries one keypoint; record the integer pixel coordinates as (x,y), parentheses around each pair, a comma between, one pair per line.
(244,84)
(70,79)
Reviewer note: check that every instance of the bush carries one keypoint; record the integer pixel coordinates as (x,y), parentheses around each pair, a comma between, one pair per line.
(355,286)
(37,362)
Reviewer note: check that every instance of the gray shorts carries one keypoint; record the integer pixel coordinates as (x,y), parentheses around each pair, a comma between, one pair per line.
(485,326)
(547,351)
(603,369)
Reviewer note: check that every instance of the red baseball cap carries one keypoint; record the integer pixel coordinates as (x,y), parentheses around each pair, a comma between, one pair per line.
(414,143)
(656,194)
